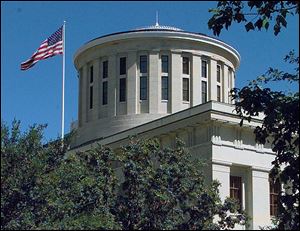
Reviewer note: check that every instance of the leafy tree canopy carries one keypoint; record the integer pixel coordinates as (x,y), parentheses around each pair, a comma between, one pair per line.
(46,187)
(254,14)
(281,109)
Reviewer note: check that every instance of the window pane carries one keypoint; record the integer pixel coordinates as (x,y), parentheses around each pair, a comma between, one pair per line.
(204,91)
(218,93)
(122,90)
(143,64)
(236,189)
(91,97)
(185,89)
(105,69)
(143,88)
(165,64)
(123,66)
(91,74)
(185,65)
(219,73)
(204,68)
(104,93)
(275,189)
(164,88)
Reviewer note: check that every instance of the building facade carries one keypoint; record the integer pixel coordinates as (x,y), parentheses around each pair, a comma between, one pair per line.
(164,82)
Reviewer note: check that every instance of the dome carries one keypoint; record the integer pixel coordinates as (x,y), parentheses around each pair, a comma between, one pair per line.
(159,27)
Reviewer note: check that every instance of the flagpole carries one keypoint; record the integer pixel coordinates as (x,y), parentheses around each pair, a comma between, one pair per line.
(63,85)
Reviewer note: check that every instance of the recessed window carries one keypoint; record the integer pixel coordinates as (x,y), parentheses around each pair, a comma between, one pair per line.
(123,66)
(185,65)
(143,64)
(105,69)
(218,93)
(143,87)
(275,189)
(218,73)
(91,97)
(122,92)
(204,91)
(164,88)
(185,89)
(236,189)
(91,74)
(104,93)
(165,64)
(204,68)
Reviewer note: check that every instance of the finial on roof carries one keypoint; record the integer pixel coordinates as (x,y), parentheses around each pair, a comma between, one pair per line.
(156,24)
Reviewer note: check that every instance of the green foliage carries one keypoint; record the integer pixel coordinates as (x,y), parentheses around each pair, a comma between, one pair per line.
(46,187)
(281,109)
(280,128)
(262,13)
(79,192)
(20,165)
(164,189)
(42,188)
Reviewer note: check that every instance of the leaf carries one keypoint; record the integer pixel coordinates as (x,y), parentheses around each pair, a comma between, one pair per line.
(249,26)
(258,23)
(265,23)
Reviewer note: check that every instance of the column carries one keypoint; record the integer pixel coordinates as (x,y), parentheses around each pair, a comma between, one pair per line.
(195,81)
(132,83)
(80,100)
(153,82)
(212,80)
(96,89)
(222,174)
(225,87)
(176,86)
(84,88)
(112,85)
(260,199)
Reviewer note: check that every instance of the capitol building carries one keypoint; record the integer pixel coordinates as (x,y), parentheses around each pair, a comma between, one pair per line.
(164,82)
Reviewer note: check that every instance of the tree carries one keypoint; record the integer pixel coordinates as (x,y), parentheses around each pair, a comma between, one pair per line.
(43,188)
(281,109)
(164,189)
(80,192)
(262,11)
(46,187)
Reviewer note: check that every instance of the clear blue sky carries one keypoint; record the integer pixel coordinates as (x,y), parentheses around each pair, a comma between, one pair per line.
(34,96)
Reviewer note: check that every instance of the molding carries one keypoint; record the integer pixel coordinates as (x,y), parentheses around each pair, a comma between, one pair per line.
(177,35)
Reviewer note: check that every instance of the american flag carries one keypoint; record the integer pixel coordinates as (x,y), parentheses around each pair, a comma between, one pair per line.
(50,47)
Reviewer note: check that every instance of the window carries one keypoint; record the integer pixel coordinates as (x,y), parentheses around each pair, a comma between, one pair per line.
(123,66)
(204,91)
(105,69)
(143,64)
(165,64)
(236,189)
(164,88)
(204,68)
(218,93)
(143,88)
(91,74)
(91,97)
(104,93)
(185,89)
(218,73)
(185,65)
(122,95)
(275,189)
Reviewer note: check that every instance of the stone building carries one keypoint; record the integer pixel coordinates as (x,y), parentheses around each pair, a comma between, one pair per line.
(164,82)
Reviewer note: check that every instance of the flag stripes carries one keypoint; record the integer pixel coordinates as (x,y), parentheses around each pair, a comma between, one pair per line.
(50,47)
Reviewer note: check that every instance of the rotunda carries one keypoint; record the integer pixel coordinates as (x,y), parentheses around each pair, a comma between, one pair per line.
(129,78)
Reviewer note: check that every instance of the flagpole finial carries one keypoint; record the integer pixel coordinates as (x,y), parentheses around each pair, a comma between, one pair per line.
(156,24)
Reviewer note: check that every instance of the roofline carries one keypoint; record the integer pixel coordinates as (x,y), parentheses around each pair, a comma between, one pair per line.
(215,41)
(210,106)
